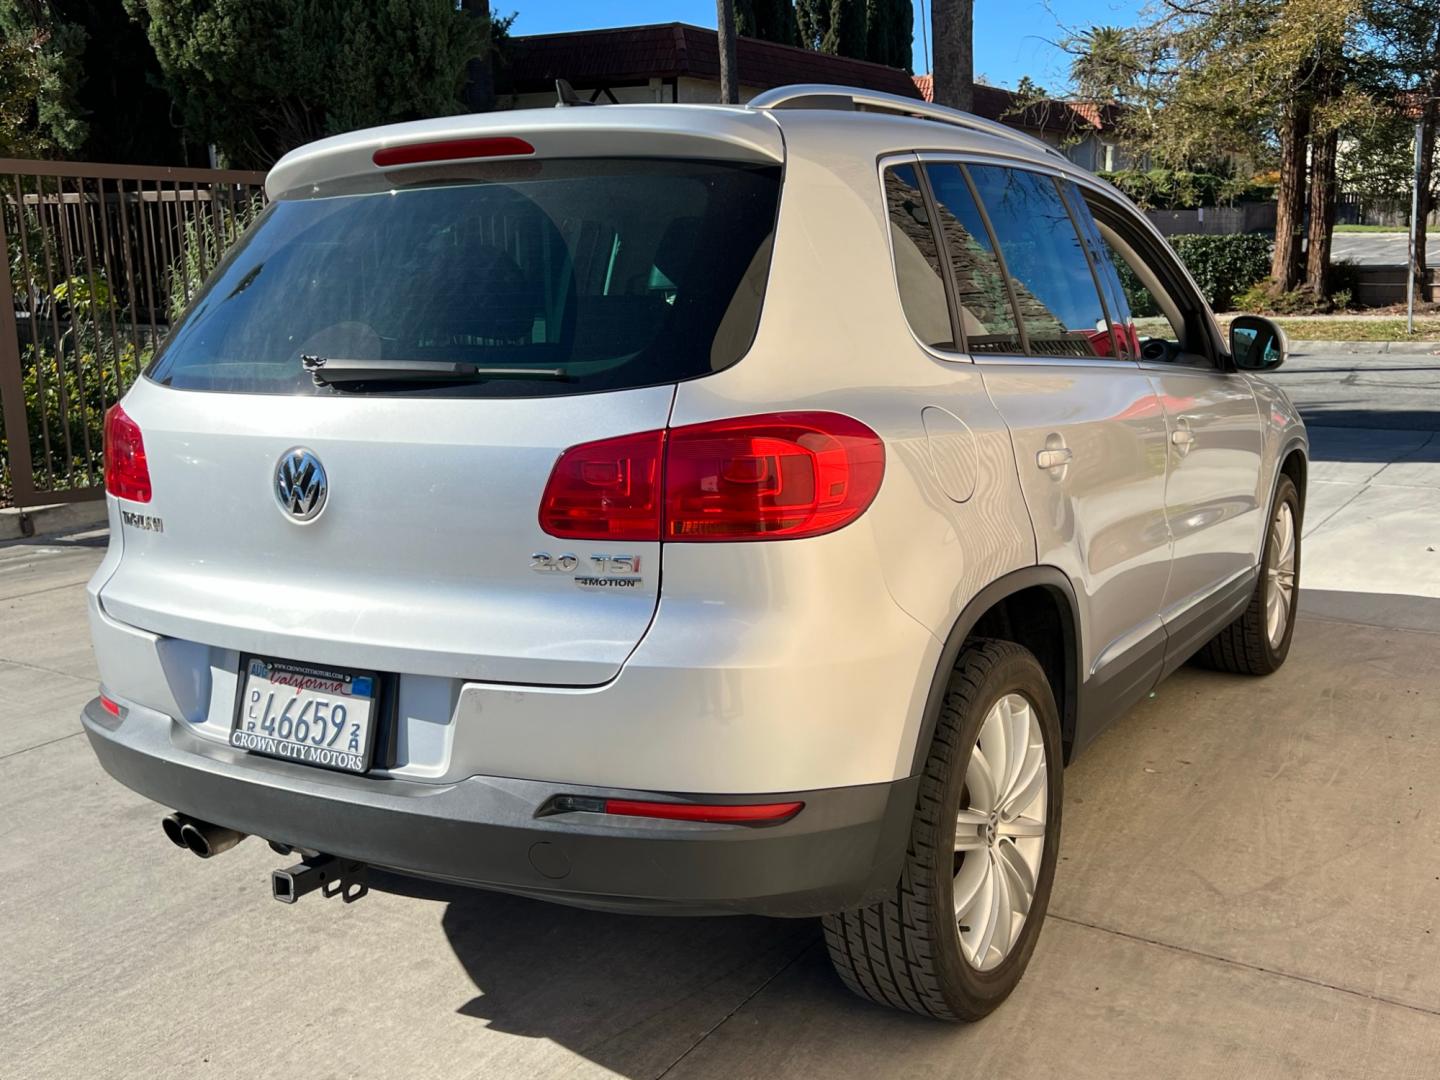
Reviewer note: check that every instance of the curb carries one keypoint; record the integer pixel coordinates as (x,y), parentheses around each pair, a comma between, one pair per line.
(1367,348)
(16,524)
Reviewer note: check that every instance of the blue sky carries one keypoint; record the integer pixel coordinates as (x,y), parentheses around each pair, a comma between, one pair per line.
(1012,37)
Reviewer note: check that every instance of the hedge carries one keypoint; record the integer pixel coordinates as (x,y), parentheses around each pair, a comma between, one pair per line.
(1223,267)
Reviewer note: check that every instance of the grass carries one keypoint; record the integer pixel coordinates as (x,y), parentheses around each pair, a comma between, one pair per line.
(1372,228)
(1340,328)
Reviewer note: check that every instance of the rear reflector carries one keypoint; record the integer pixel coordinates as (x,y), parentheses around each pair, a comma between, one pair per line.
(113,708)
(778,476)
(608,490)
(452,150)
(743,814)
(127,475)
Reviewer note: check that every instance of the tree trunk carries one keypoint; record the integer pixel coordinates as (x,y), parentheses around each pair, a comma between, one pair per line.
(729,65)
(952,24)
(1426,179)
(1322,213)
(479,70)
(1290,198)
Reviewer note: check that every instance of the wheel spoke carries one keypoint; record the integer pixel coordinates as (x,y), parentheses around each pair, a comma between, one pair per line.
(996,934)
(1028,786)
(971,883)
(1021,876)
(980,779)
(970,830)
(1021,827)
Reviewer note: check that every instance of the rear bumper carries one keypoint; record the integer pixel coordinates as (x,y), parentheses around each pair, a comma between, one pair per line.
(844,849)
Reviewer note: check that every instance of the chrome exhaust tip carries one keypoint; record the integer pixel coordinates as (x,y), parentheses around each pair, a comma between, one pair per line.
(202,838)
(173,824)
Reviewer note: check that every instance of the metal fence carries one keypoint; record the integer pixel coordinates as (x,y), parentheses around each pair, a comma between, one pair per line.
(101,258)
(1364,210)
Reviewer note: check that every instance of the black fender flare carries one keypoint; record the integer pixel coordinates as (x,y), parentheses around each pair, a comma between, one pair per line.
(1048,577)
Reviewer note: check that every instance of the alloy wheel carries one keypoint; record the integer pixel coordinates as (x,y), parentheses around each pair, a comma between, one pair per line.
(1000,832)
(1280,586)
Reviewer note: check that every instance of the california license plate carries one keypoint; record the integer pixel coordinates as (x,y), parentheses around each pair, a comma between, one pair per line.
(301,712)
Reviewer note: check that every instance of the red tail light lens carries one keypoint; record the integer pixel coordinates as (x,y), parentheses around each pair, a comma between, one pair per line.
(608,490)
(127,476)
(773,477)
(782,476)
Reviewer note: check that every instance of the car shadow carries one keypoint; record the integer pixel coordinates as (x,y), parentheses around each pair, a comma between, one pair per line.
(629,992)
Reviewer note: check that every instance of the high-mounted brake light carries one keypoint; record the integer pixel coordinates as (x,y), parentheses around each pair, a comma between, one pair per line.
(729,814)
(452,150)
(127,475)
(772,477)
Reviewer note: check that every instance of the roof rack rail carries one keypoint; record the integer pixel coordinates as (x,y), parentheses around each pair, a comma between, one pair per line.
(826,96)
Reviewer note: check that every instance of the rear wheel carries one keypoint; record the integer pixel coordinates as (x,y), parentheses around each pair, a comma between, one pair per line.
(958,933)
(1259,640)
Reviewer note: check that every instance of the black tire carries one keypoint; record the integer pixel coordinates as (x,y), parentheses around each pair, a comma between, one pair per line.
(1244,647)
(905,951)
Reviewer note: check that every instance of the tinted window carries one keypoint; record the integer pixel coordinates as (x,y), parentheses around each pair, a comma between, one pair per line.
(986,318)
(614,274)
(917,262)
(1055,290)
(1102,258)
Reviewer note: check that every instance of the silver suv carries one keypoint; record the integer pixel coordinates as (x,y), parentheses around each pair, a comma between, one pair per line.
(687,509)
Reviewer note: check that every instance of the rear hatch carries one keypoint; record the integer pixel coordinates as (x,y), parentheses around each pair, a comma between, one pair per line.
(434,336)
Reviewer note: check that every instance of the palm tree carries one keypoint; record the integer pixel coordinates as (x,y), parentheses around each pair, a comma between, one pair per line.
(729,73)
(952,23)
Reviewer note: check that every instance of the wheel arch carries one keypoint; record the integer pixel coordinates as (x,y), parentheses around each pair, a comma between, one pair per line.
(1033,607)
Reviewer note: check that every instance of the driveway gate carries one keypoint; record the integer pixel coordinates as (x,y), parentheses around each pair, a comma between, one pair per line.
(101,258)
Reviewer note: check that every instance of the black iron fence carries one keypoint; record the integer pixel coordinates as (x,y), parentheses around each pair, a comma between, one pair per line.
(101,258)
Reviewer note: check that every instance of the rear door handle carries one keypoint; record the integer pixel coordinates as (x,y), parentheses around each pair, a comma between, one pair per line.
(1182,437)
(1054,459)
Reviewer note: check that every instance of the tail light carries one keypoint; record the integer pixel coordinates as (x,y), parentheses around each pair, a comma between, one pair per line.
(772,477)
(127,476)
(608,490)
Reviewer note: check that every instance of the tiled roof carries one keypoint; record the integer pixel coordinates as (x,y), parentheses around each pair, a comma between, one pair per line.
(997,103)
(590,58)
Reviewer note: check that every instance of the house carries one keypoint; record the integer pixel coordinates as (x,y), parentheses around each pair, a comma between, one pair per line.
(1084,131)
(669,62)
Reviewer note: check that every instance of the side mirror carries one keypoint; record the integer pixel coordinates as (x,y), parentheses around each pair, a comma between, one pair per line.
(1257,343)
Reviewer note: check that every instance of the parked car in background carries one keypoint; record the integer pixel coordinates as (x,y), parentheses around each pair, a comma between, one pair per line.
(686,509)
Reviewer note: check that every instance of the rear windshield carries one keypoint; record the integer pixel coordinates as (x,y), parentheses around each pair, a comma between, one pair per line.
(602,275)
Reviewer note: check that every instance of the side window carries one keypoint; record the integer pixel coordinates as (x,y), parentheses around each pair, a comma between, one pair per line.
(1102,257)
(986,317)
(1055,290)
(1164,324)
(917,262)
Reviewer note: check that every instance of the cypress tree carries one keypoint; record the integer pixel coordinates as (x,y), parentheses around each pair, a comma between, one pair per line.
(768,20)
(878,30)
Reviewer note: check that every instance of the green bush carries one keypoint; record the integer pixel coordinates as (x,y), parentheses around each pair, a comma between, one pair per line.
(1224,266)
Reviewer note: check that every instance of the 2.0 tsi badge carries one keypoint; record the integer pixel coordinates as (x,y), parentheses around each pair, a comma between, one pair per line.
(300,484)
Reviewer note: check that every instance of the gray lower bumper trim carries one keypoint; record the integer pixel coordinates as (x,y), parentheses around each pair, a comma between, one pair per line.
(845,848)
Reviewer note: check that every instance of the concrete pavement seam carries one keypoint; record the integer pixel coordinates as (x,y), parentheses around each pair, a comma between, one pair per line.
(1230,961)
(47,670)
(37,746)
(48,588)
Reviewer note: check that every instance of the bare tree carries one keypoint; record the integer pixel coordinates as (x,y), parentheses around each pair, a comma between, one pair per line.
(952,23)
(729,66)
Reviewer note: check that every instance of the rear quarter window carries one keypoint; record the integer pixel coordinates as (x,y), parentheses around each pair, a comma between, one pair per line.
(611,274)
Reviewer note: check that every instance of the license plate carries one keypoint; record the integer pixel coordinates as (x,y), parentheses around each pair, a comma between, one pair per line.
(301,712)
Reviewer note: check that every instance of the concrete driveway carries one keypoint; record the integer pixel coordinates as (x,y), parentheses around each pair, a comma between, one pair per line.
(1249,885)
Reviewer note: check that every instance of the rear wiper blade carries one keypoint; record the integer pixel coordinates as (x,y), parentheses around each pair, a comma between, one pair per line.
(330,369)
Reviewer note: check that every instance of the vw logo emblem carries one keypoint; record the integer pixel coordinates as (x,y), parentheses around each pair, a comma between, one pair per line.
(300,484)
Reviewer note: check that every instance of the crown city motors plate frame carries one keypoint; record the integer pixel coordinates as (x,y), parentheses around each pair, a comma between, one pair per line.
(288,710)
